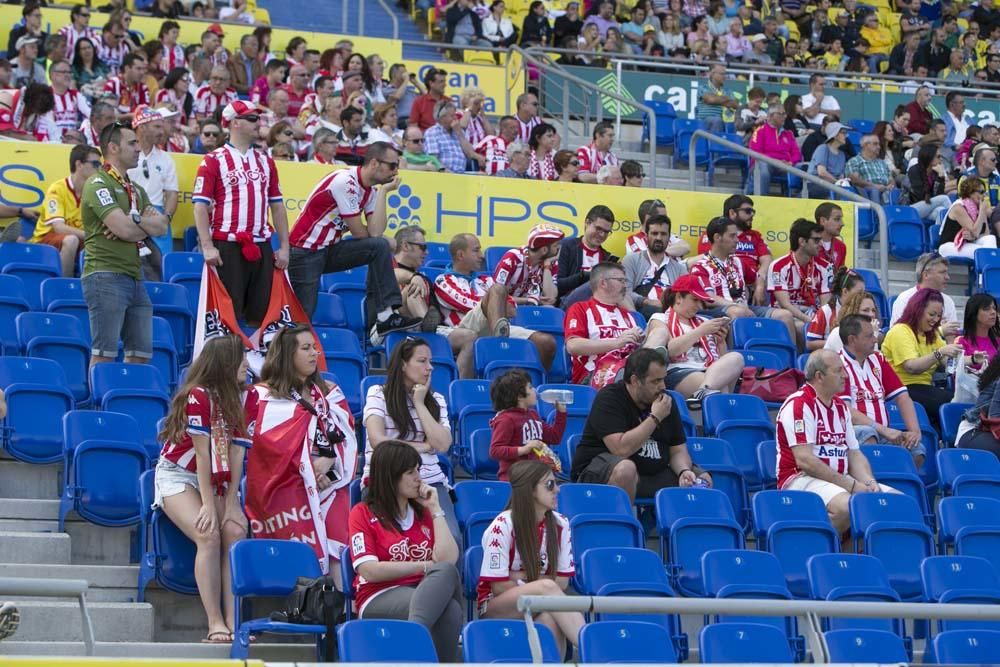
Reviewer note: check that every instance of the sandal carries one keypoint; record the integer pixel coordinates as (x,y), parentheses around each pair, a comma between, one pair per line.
(218,637)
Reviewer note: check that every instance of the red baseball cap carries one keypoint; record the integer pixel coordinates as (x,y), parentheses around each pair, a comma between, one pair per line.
(543,235)
(236,109)
(217,29)
(689,284)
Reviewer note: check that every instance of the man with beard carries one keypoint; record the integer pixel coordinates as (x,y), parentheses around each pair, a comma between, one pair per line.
(677,247)
(751,249)
(800,281)
(652,272)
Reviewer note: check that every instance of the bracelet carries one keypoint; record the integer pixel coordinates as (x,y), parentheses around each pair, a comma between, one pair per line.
(937,355)
(437,515)
(654,418)
(684,471)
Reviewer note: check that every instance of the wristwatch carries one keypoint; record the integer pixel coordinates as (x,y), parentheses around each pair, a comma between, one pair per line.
(136,218)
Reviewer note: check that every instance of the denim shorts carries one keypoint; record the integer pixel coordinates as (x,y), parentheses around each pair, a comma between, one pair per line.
(119,309)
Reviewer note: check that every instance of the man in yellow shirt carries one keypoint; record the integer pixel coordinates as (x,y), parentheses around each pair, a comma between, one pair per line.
(60,225)
(879,40)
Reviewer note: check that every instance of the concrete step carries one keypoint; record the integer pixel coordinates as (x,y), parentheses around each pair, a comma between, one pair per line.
(29,480)
(91,544)
(175,650)
(56,621)
(23,547)
(108,583)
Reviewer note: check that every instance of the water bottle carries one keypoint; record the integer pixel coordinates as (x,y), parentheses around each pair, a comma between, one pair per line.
(701,483)
(951,366)
(553,396)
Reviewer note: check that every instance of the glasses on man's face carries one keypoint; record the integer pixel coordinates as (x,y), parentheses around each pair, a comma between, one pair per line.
(602,230)
(60,71)
(84,16)
(393,166)
(574,163)
(210,134)
(416,141)
(422,247)
(748,210)
(287,133)
(618,278)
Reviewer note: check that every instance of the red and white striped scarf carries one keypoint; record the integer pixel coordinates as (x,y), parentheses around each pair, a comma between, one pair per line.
(676,329)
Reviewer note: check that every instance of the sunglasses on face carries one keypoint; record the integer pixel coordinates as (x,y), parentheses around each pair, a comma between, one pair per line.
(393,166)
(420,246)
(210,134)
(250,118)
(574,163)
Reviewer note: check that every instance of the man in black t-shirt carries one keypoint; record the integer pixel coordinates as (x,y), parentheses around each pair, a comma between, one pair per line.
(633,438)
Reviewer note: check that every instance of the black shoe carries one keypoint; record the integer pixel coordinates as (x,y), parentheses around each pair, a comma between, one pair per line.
(396,322)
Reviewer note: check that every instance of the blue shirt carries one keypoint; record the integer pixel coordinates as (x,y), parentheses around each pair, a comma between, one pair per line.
(446,146)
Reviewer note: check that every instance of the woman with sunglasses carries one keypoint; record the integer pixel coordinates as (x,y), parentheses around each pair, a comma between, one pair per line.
(966,227)
(845,283)
(527,551)
(567,166)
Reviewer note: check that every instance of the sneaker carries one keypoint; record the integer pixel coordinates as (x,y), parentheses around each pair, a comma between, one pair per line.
(396,322)
(10,617)
(502,328)
(698,396)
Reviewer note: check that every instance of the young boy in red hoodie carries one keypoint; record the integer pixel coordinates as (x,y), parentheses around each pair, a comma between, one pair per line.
(518,430)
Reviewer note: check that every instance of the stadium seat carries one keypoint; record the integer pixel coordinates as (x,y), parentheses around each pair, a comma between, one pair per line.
(171,303)
(867,225)
(370,381)
(722,156)
(929,437)
(965,647)
(547,319)
(961,579)
(767,463)
(32,263)
(445,370)
(716,457)
(577,412)
(164,352)
(684,129)
(269,568)
(329,311)
(472,564)
(858,645)
(763,359)
(35,390)
(345,358)
(349,285)
(133,389)
(623,642)
(103,456)
(965,466)
(167,555)
(852,577)
(12,303)
(793,525)
(437,252)
(493,255)
(181,264)
(65,297)
(470,408)
(665,117)
(757,333)
(892,528)
(987,268)
(477,503)
(589,531)
(481,466)
(971,526)
(906,239)
(690,522)
(577,499)
(893,465)
(384,640)
(743,421)
(59,338)
(680,404)
(567,453)
(495,356)
(950,415)
(505,640)
(743,642)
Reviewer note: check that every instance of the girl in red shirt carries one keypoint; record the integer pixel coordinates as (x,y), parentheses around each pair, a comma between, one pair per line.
(519,434)
(403,551)
(199,471)
(530,525)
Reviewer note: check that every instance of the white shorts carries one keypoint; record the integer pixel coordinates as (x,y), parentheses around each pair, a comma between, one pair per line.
(475,320)
(171,480)
(825,490)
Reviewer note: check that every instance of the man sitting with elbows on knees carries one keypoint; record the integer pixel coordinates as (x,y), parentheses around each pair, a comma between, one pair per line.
(817,448)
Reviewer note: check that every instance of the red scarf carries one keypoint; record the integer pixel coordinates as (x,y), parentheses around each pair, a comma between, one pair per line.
(972,208)
(708,343)
(806,288)
(218,445)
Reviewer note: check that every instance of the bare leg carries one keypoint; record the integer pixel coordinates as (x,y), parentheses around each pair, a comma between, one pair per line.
(839,512)
(232,533)
(625,476)
(794,331)
(67,255)
(494,305)
(724,373)
(690,384)
(567,623)
(461,341)
(546,346)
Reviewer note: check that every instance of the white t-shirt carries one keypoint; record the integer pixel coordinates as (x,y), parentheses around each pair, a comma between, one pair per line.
(950,313)
(828,104)
(156,174)
(430,468)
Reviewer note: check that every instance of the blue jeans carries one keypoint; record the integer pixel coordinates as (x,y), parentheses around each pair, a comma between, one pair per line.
(119,309)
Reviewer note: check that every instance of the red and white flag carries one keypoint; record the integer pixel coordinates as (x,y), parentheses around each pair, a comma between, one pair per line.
(215,316)
(283,310)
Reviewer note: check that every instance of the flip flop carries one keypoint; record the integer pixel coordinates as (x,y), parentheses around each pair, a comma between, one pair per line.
(218,637)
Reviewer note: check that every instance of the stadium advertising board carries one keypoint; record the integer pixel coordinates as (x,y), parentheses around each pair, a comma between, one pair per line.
(682,93)
(490,79)
(497,210)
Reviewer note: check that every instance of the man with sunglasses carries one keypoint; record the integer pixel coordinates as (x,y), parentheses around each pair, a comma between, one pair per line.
(112,47)
(234,189)
(156,174)
(210,137)
(60,225)
(413,151)
(78,28)
(597,153)
(751,248)
(348,200)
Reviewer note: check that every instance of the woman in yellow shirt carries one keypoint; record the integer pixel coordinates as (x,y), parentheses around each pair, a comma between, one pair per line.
(879,42)
(916,350)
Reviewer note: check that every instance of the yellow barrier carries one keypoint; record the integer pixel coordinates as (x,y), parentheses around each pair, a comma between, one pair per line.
(489,78)
(497,210)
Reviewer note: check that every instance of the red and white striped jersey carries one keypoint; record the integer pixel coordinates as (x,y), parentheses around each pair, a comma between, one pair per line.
(724,278)
(111,56)
(804,284)
(295,100)
(543,169)
(636,243)
(129,98)
(165,96)
(72,37)
(219,58)
(868,385)
(594,320)
(173,56)
(521,280)
(476,130)
(240,187)
(591,159)
(494,149)
(805,420)
(206,102)
(750,247)
(524,129)
(591,256)
(89,134)
(458,294)
(338,195)
(822,322)
(70,109)
(835,255)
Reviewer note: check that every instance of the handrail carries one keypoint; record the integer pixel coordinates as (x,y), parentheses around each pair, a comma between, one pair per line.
(55,588)
(388,11)
(809,611)
(591,89)
(858,200)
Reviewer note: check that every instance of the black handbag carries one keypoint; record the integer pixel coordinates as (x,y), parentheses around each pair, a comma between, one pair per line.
(315,602)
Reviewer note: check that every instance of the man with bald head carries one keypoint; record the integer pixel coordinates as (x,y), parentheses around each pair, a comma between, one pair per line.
(216,95)
(298,89)
(817,448)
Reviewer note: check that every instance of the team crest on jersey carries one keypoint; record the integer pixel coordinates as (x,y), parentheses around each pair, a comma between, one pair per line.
(104,197)
(799,426)
(198,182)
(53,206)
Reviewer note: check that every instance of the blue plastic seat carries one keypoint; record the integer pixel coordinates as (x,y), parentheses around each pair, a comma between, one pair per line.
(478,502)
(59,338)
(547,319)
(269,568)
(103,457)
(743,421)
(566,454)
(480,465)
(589,531)
(133,389)
(577,412)
(665,117)
(329,311)
(384,640)
(987,267)
(721,156)
(505,640)
(495,356)
(972,526)
(680,404)
(852,577)
(352,297)
(767,463)
(577,499)
(470,408)
(167,555)
(437,252)
(65,297)
(743,642)
(493,255)
(716,456)
(906,239)
(171,302)
(33,263)
(164,352)
(893,530)
(13,302)
(445,369)
(858,645)
(472,564)
(965,647)
(35,390)
(758,333)
(684,129)
(181,264)
(793,525)
(624,642)
(345,358)
(758,358)
(690,522)
(961,579)
(950,415)
(928,436)
(963,466)
(893,466)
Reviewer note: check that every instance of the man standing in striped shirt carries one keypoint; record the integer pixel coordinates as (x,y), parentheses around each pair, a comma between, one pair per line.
(235,187)
(335,206)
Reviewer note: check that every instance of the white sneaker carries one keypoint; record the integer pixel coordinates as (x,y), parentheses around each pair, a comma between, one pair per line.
(10,617)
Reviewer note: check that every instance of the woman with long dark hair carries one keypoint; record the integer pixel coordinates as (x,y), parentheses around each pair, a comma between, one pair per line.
(980,427)
(927,184)
(406,409)
(358,63)
(305,451)
(845,283)
(916,350)
(176,90)
(544,141)
(198,475)
(981,338)
(89,72)
(26,110)
(403,550)
(527,551)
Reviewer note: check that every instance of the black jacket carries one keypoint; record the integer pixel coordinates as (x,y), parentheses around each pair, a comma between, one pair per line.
(456,14)
(570,274)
